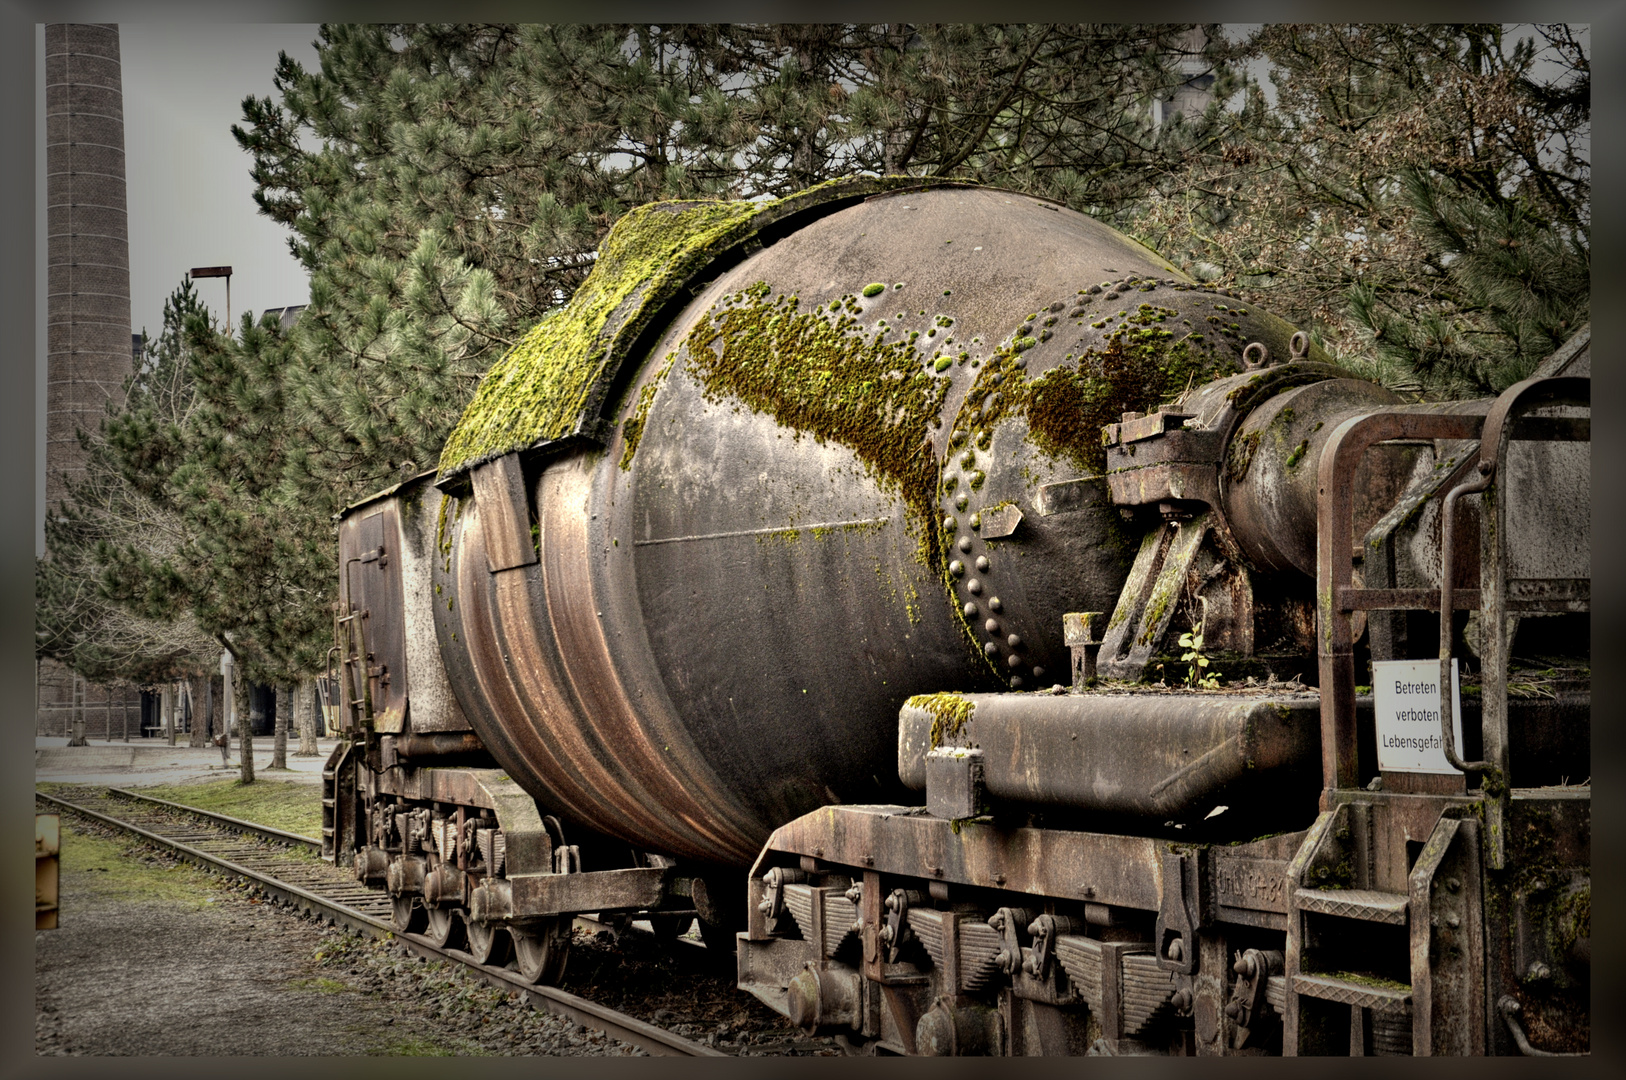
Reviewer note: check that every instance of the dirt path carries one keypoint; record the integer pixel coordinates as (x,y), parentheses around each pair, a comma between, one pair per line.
(156,958)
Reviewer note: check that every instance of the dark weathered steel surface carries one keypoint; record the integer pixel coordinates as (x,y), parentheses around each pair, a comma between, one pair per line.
(1162,755)
(1448,944)
(370,586)
(1271,507)
(718,636)
(529,848)
(499,492)
(602,890)
(1105,869)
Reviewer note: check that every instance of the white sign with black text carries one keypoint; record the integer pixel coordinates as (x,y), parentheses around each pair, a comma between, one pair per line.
(1406,699)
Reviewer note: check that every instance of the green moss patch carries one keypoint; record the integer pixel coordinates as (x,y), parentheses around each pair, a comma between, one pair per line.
(539,390)
(548,386)
(819,373)
(950,713)
(632,432)
(1138,366)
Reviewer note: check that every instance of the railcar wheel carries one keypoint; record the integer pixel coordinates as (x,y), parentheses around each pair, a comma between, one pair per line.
(407,915)
(488,944)
(540,951)
(445,927)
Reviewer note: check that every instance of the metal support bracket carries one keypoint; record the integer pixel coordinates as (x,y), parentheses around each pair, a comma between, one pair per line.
(1179,914)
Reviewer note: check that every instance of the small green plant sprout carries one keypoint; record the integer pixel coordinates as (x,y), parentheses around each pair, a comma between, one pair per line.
(1192,642)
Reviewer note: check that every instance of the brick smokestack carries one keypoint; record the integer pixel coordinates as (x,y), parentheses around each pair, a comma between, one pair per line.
(87,311)
(88,247)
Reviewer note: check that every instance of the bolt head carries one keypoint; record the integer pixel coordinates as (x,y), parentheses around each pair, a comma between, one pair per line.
(982,563)
(1176,950)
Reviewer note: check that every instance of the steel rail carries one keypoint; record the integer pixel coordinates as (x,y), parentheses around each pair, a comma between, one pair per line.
(616,1025)
(264,831)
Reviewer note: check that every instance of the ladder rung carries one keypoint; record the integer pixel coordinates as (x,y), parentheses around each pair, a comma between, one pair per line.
(1367,995)
(1371,905)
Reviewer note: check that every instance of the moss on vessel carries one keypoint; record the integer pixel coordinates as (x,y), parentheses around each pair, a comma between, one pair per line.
(819,373)
(632,432)
(1137,366)
(949,711)
(538,391)
(545,387)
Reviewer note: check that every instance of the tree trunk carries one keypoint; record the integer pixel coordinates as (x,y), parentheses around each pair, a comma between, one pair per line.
(305,717)
(245,726)
(168,706)
(76,715)
(195,695)
(285,707)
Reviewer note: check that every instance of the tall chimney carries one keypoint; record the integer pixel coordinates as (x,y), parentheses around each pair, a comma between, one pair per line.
(88,344)
(88,248)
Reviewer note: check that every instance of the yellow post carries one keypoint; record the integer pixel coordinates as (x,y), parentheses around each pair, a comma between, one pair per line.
(47,869)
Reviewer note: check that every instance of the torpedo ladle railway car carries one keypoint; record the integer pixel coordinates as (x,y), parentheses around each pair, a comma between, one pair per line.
(1000,642)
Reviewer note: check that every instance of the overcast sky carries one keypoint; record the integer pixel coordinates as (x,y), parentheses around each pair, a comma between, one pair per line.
(190,197)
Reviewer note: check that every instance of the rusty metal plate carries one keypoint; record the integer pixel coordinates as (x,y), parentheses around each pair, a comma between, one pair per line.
(370,583)
(1249,885)
(1000,521)
(1124,871)
(500,500)
(602,890)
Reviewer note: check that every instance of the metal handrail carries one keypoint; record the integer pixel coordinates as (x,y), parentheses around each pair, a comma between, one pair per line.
(1336,596)
(1510,405)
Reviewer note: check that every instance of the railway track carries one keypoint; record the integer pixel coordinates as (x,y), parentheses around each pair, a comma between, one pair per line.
(288,868)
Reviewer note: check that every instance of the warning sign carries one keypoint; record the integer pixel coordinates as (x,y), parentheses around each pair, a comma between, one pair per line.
(1406,699)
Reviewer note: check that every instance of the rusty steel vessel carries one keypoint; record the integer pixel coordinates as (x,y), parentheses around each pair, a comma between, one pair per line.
(970,619)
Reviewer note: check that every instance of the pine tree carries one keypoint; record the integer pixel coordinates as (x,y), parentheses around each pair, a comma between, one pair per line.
(1418,195)
(466,173)
(250,569)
